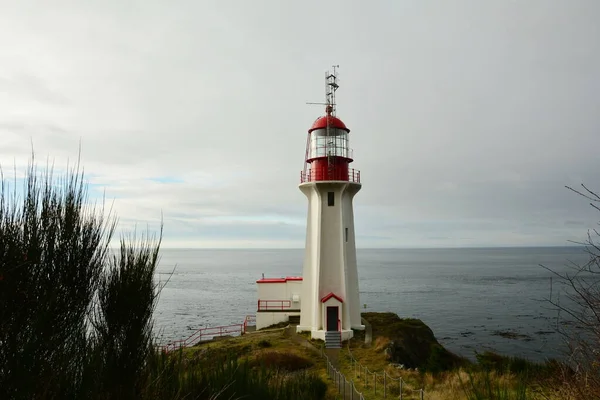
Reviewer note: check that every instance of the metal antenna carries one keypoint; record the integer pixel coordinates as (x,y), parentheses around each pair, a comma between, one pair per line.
(331,85)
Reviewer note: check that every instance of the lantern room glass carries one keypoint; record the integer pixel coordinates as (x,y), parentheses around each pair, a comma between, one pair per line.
(332,143)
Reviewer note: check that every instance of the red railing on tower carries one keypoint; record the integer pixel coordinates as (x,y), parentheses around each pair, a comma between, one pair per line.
(322,174)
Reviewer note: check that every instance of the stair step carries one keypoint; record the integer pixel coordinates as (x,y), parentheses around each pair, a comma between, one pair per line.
(333,340)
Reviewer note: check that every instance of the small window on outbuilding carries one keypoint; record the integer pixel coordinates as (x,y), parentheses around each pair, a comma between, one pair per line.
(330,199)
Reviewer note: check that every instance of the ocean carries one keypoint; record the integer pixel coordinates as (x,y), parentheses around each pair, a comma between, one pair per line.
(466,296)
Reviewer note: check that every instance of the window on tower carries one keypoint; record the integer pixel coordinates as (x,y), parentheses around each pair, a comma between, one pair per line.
(334,144)
(346,234)
(330,199)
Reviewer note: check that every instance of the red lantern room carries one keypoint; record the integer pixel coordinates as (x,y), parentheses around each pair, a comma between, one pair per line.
(328,154)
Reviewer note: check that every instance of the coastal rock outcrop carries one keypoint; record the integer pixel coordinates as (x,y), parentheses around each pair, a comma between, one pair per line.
(411,343)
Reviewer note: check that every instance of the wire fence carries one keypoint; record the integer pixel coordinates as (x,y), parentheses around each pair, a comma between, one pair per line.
(346,388)
(384,382)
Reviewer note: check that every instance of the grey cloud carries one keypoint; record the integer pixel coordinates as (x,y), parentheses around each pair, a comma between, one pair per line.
(26,85)
(575,223)
(467,118)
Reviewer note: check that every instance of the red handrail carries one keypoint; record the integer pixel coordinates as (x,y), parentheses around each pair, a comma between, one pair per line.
(274,304)
(204,332)
(195,337)
(250,320)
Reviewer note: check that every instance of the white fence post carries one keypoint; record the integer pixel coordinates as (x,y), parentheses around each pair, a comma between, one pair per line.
(384,384)
(400,388)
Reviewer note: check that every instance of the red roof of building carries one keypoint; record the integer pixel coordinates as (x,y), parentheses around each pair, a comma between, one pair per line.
(330,295)
(279,280)
(334,122)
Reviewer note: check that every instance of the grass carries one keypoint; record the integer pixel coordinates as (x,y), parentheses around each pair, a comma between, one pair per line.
(474,382)
(231,377)
(492,377)
(275,351)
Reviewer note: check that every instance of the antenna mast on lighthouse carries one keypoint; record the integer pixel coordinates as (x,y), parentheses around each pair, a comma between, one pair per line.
(331,86)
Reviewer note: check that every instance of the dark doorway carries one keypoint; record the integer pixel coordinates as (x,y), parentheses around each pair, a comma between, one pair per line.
(332,318)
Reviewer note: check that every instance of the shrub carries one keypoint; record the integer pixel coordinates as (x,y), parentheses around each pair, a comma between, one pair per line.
(264,344)
(226,377)
(580,308)
(282,361)
(76,323)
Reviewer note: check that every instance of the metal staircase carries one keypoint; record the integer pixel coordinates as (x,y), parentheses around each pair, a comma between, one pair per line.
(333,340)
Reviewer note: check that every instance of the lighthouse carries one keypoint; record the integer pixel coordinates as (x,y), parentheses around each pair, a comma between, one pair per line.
(324,300)
(329,294)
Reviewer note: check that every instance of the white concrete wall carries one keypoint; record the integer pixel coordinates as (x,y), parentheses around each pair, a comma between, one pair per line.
(281,291)
(272,291)
(329,261)
(294,288)
(352,300)
(265,318)
(310,271)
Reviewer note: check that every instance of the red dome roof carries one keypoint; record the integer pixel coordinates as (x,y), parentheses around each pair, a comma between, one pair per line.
(334,122)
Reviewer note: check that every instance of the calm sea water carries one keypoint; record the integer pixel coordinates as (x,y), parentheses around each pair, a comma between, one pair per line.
(464,295)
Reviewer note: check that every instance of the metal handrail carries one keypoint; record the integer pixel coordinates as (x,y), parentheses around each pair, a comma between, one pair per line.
(250,320)
(279,304)
(312,175)
(204,332)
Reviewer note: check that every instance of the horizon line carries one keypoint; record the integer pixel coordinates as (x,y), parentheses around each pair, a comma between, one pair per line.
(378,248)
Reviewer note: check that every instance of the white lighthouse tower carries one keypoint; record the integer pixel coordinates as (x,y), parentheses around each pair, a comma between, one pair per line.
(330,301)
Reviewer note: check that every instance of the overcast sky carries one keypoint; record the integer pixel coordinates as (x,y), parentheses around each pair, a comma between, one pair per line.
(467,118)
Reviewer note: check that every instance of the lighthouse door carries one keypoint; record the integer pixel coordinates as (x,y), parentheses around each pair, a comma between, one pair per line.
(332,318)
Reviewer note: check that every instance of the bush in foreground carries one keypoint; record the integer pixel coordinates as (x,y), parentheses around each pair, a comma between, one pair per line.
(224,376)
(76,319)
(579,308)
